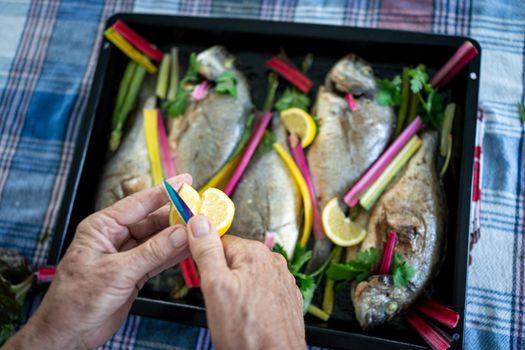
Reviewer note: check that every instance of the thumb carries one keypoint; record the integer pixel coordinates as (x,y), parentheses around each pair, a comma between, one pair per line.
(159,252)
(206,247)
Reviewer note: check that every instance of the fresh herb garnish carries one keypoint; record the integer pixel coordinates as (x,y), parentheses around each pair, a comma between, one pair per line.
(266,144)
(389,91)
(227,84)
(402,272)
(178,106)
(355,270)
(292,98)
(521,111)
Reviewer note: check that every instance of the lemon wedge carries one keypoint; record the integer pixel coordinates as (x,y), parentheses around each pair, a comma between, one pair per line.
(219,208)
(299,122)
(339,228)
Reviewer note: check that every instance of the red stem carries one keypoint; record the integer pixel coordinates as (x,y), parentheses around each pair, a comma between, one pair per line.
(388,254)
(300,159)
(45,274)
(351,102)
(248,153)
(139,42)
(290,73)
(463,55)
(433,338)
(438,312)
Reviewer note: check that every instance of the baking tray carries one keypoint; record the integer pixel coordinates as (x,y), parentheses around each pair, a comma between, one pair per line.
(252,42)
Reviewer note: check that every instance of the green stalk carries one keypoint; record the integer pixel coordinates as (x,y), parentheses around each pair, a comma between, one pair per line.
(317,312)
(273,83)
(414,105)
(162,78)
(450,111)
(20,290)
(328,296)
(405,96)
(174,76)
(123,87)
(127,106)
(369,197)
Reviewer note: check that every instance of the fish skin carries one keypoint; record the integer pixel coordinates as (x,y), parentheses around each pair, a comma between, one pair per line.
(128,170)
(267,200)
(414,207)
(354,75)
(204,138)
(347,144)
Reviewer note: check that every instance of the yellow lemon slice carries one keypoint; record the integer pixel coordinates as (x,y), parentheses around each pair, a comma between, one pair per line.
(340,229)
(300,123)
(219,208)
(191,197)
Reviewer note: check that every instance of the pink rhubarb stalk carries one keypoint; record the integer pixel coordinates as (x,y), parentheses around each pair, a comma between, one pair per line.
(388,254)
(463,55)
(300,159)
(290,73)
(438,312)
(139,42)
(187,266)
(429,334)
(45,274)
(351,102)
(200,91)
(248,153)
(352,197)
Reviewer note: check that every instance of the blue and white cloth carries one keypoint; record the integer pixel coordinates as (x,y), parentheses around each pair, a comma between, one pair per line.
(48,52)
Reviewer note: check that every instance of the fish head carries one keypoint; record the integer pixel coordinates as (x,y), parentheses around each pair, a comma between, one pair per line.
(354,75)
(377,301)
(215,61)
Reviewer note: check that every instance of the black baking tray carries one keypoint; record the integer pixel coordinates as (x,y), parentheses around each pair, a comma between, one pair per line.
(252,42)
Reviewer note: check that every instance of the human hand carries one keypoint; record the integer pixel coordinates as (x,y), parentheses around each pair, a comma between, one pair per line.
(113,254)
(252,301)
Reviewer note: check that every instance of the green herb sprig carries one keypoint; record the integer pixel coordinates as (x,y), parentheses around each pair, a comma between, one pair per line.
(179,105)
(227,84)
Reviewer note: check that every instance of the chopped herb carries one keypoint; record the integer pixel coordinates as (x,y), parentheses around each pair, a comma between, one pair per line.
(521,111)
(402,272)
(419,79)
(178,106)
(227,84)
(292,98)
(355,270)
(389,91)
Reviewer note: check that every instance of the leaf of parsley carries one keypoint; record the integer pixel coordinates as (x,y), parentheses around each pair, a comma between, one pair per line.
(178,106)
(266,144)
(389,91)
(418,79)
(402,272)
(226,84)
(292,98)
(358,269)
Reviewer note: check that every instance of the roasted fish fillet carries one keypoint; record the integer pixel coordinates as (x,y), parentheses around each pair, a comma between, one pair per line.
(267,200)
(414,207)
(128,170)
(204,138)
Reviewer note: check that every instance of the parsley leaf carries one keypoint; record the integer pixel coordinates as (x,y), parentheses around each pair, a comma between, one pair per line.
(521,111)
(192,74)
(277,248)
(358,269)
(227,84)
(389,91)
(266,144)
(300,257)
(178,106)
(402,272)
(292,98)
(419,79)
(307,287)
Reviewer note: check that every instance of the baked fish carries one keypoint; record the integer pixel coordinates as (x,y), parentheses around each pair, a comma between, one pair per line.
(267,200)
(414,207)
(204,138)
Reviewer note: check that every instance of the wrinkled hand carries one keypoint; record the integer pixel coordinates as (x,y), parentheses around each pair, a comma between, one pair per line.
(114,252)
(252,301)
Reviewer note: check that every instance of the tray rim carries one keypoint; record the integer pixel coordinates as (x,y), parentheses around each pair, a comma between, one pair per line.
(144,306)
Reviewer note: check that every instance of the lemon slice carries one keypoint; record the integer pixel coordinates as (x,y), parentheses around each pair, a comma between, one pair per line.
(219,208)
(300,123)
(191,197)
(340,229)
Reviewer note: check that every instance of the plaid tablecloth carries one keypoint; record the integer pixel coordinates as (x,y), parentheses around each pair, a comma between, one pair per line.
(48,52)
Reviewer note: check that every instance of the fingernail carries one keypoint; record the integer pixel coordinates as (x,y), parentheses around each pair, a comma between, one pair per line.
(179,237)
(199,226)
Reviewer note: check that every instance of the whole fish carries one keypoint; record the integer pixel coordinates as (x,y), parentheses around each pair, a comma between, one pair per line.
(414,207)
(347,143)
(128,170)
(267,200)
(204,138)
